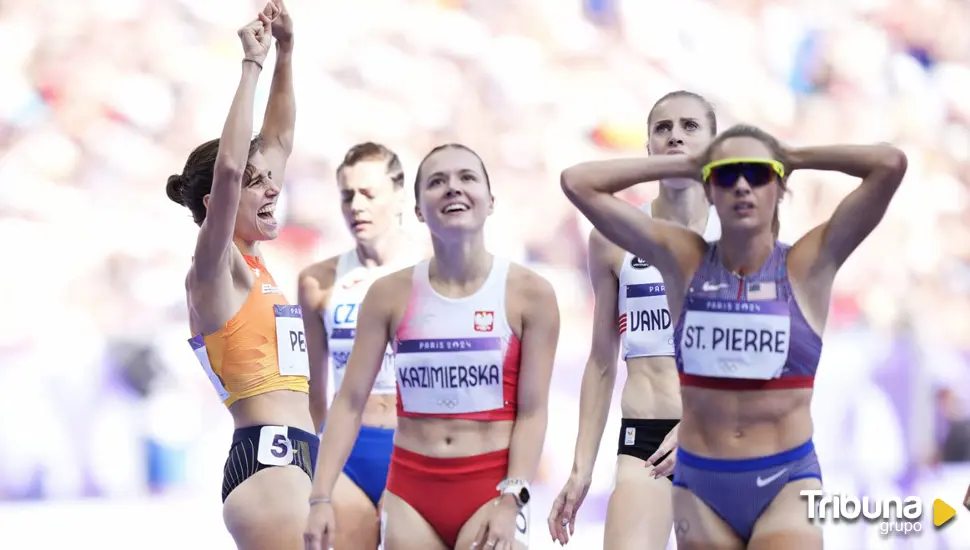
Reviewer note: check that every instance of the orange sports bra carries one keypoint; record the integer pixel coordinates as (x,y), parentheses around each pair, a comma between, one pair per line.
(261,349)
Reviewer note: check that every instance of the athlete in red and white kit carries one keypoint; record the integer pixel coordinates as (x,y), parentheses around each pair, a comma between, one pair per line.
(474,338)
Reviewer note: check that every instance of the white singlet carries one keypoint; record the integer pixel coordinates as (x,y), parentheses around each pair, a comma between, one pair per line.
(456,356)
(646,329)
(350,285)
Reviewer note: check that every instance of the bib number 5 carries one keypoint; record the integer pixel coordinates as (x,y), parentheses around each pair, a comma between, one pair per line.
(275,448)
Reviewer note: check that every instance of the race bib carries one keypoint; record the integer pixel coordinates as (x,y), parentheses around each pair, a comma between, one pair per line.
(450,375)
(647,320)
(734,339)
(291,341)
(275,448)
(383,384)
(202,354)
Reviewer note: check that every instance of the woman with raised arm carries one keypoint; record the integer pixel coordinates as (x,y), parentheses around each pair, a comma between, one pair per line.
(631,314)
(750,313)
(248,338)
(474,338)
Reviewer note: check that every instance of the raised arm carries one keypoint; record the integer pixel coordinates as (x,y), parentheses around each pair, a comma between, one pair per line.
(313,293)
(344,417)
(215,235)
(591,185)
(540,336)
(280,118)
(599,377)
(881,168)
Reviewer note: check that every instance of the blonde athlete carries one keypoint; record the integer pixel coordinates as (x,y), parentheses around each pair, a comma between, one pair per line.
(631,310)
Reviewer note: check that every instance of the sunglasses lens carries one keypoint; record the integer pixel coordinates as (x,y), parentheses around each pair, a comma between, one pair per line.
(756,174)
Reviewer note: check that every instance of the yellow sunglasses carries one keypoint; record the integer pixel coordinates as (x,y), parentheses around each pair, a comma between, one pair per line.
(757,172)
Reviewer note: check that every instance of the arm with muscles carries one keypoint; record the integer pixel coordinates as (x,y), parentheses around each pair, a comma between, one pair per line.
(881,168)
(591,185)
(596,392)
(540,337)
(344,417)
(312,299)
(279,119)
(215,236)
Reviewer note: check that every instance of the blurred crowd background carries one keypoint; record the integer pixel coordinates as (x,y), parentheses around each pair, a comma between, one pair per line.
(106,417)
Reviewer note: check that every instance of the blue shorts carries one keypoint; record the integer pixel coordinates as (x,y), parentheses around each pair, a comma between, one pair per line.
(739,490)
(370,460)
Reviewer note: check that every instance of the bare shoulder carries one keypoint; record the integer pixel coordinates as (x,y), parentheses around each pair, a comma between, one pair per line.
(316,280)
(394,285)
(529,287)
(605,252)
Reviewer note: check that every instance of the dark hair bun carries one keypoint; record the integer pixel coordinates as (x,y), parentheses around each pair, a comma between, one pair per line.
(174,188)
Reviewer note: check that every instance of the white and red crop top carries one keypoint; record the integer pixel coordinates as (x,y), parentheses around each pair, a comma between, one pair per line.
(457,357)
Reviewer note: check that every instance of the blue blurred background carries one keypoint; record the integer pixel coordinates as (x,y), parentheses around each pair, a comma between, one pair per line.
(109,431)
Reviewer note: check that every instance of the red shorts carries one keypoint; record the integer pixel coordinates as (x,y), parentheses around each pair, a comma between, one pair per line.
(446,491)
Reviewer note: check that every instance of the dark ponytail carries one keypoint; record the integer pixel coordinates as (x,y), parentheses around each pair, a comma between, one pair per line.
(175,189)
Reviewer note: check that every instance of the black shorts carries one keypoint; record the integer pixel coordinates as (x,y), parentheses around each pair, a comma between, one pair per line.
(642,438)
(259,447)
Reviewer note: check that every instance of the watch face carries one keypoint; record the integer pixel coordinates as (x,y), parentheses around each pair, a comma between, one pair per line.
(524,496)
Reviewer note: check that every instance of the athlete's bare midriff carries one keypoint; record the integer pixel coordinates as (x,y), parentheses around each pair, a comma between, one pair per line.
(652,389)
(275,408)
(451,438)
(380,411)
(744,424)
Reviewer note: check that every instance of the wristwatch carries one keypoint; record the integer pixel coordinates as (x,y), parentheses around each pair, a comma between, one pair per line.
(518,488)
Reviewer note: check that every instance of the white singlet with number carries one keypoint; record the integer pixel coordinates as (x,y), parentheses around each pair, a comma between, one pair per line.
(351,283)
(734,339)
(450,352)
(291,341)
(275,447)
(646,329)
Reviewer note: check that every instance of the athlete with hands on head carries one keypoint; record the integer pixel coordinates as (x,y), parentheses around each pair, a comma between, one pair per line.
(750,312)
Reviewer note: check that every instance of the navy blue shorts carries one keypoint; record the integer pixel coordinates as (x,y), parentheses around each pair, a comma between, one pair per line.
(739,490)
(370,460)
(259,447)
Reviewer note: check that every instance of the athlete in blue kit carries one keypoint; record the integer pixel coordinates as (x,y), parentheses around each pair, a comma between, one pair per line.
(372,198)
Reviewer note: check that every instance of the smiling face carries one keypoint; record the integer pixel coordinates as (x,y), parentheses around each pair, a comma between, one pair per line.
(745,206)
(453,193)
